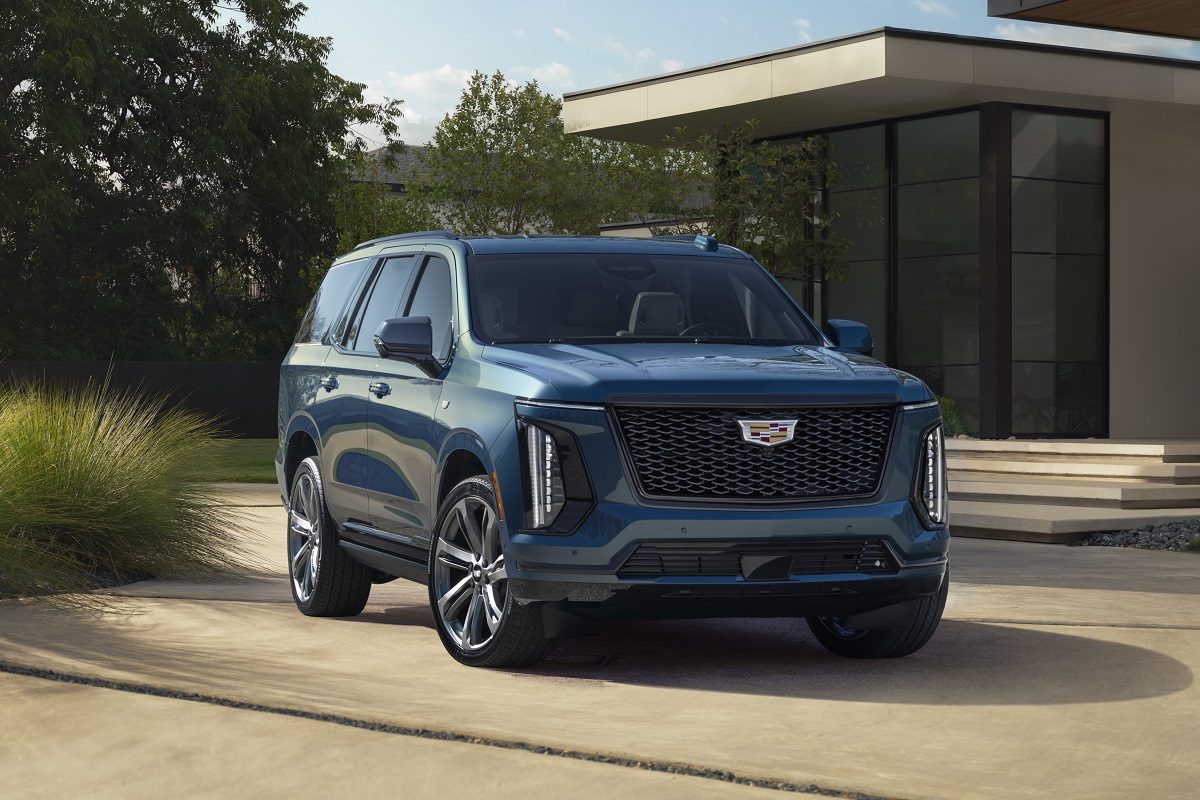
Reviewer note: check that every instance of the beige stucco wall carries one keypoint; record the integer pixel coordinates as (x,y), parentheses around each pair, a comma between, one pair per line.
(1155,271)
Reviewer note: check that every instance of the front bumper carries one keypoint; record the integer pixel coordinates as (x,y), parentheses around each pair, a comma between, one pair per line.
(584,568)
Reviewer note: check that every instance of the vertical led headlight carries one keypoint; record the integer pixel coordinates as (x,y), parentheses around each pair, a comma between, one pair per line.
(546,492)
(558,494)
(929,490)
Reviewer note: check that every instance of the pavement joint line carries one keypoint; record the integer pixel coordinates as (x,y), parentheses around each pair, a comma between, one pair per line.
(984,620)
(647,765)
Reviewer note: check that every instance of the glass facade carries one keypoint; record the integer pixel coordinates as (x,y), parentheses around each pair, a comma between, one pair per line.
(908,199)
(1059,274)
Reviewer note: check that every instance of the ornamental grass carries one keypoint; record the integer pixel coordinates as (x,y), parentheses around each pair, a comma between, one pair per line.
(95,490)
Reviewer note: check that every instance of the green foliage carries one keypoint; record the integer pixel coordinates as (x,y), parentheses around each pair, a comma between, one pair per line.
(763,197)
(93,489)
(366,210)
(237,461)
(165,176)
(1194,545)
(952,420)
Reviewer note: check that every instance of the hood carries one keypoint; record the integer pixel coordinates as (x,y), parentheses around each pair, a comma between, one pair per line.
(598,372)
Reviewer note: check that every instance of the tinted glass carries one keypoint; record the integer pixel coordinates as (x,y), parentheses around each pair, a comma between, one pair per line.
(384,302)
(1058,308)
(330,300)
(1058,147)
(434,299)
(629,298)
(938,148)
(938,218)
(861,221)
(938,305)
(861,295)
(1055,217)
(858,158)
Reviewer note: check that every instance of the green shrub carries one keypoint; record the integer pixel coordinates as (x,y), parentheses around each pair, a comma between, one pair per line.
(94,491)
(1194,545)
(953,421)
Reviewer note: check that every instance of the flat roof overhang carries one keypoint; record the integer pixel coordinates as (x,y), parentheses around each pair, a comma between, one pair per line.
(1178,18)
(873,76)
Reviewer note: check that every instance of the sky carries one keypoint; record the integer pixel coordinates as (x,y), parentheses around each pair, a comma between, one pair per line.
(423,52)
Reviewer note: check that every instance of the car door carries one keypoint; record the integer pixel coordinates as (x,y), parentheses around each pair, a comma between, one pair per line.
(405,434)
(351,472)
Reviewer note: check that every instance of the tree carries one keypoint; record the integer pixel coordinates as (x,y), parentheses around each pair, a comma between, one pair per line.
(166,177)
(765,197)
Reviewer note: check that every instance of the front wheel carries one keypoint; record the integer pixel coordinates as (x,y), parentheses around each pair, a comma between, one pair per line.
(843,640)
(479,622)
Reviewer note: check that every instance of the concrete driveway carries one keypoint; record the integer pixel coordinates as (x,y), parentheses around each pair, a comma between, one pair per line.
(1058,672)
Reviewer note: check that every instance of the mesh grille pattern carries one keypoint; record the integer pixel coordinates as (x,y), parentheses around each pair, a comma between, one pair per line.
(700,453)
(725,558)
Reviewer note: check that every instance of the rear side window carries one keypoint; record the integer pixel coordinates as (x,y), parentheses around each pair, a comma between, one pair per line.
(330,300)
(433,299)
(384,303)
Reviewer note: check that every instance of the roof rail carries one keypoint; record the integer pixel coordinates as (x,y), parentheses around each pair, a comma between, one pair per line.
(701,241)
(413,235)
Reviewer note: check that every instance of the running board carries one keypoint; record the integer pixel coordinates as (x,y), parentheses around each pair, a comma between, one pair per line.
(386,562)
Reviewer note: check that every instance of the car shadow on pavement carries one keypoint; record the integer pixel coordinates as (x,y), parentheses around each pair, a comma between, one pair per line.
(966,663)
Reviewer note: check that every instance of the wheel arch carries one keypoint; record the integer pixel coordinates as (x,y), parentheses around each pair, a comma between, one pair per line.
(463,456)
(301,441)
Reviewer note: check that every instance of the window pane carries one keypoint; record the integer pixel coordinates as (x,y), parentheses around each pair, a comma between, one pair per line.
(384,302)
(1057,308)
(938,218)
(1052,217)
(859,159)
(862,222)
(938,148)
(330,300)
(861,295)
(1058,398)
(433,299)
(937,307)
(1062,147)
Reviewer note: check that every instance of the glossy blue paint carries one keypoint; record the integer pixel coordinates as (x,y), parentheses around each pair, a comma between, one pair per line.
(386,457)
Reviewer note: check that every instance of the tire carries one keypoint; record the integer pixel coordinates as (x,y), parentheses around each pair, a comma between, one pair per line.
(891,643)
(477,619)
(325,581)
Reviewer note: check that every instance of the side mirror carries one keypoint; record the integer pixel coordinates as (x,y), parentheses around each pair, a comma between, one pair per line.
(848,335)
(408,339)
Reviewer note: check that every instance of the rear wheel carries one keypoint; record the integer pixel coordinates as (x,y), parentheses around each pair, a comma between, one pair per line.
(479,622)
(844,640)
(325,581)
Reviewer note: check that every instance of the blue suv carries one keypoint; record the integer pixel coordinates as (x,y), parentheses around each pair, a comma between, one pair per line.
(550,432)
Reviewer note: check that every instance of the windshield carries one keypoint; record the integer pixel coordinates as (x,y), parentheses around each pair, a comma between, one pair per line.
(630,298)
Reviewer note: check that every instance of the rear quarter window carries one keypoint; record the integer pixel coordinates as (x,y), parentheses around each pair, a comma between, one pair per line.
(330,301)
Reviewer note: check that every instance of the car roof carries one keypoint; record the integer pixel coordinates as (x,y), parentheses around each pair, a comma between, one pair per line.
(488,245)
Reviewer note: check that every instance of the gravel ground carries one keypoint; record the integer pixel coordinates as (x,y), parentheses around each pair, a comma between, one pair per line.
(1182,534)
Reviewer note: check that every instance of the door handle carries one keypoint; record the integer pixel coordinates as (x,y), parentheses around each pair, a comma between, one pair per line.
(329,383)
(379,389)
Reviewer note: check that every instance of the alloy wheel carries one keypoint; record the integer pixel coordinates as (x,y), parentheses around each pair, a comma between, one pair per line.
(304,537)
(470,582)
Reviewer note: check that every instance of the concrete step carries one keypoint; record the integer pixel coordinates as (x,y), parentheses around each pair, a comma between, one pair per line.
(1031,522)
(1077,492)
(1150,471)
(1166,450)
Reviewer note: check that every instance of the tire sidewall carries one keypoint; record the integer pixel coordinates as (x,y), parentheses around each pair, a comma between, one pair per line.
(471,487)
(328,538)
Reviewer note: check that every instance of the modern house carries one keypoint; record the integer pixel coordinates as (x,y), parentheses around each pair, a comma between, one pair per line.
(1024,219)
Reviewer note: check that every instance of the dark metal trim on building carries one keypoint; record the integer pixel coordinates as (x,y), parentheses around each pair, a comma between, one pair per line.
(995,271)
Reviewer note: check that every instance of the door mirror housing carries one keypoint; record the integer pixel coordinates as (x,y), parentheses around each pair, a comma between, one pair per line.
(849,335)
(408,339)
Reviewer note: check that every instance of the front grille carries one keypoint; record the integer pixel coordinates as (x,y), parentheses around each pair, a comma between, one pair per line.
(699,453)
(819,557)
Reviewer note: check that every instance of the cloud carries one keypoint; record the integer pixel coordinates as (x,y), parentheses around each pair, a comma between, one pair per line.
(670,65)
(443,79)
(428,96)
(1096,39)
(644,54)
(933,7)
(564,35)
(803,29)
(552,75)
